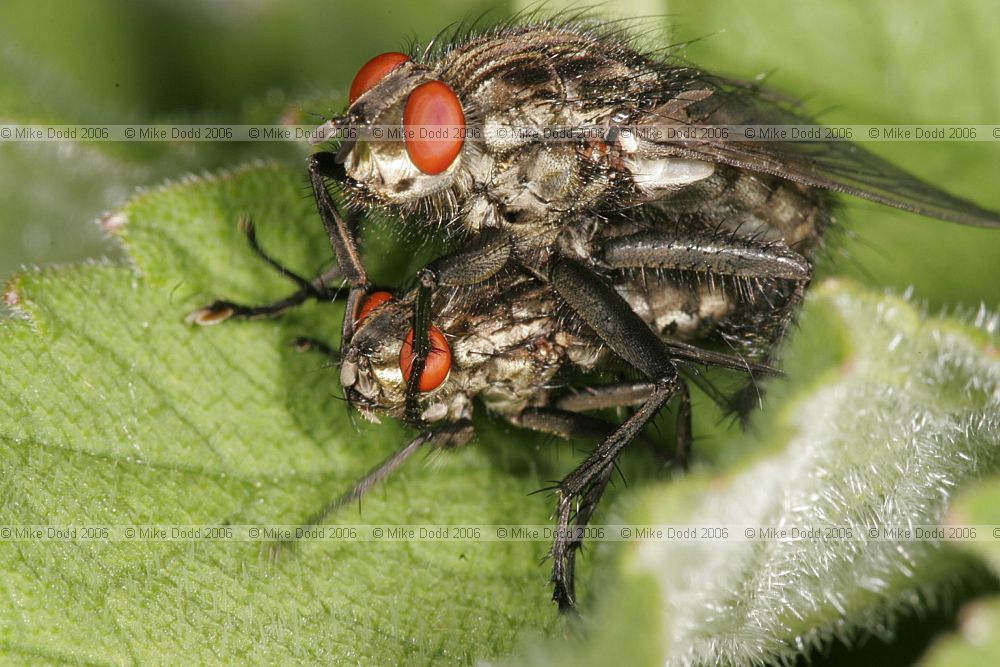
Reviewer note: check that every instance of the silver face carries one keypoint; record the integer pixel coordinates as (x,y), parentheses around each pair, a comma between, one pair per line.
(381,168)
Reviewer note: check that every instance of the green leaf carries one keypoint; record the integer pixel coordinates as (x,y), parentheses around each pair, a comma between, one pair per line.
(884,416)
(114,411)
(980,504)
(977,642)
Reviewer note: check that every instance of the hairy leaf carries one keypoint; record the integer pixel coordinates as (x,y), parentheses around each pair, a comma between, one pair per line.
(114,411)
(884,416)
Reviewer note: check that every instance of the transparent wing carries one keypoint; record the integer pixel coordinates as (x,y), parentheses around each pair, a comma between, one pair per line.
(832,165)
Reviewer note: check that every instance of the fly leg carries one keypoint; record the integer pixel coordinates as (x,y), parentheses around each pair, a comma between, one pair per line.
(751,261)
(617,325)
(581,490)
(341,233)
(318,288)
(574,426)
(606,396)
(629,394)
(449,436)
(684,432)
(563,418)
(614,322)
(421,345)
(571,425)
(565,421)
(711,254)
(482,259)
(306,344)
(772,270)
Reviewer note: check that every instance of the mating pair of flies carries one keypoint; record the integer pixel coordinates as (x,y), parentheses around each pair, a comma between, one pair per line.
(641,248)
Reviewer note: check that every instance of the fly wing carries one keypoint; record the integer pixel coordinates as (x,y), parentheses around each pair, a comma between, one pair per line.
(832,165)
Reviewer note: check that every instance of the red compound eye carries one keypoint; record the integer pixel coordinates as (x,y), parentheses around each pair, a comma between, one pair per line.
(374,71)
(438,361)
(435,127)
(374,300)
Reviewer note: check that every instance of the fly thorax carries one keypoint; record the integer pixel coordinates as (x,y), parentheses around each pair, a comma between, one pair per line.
(538,183)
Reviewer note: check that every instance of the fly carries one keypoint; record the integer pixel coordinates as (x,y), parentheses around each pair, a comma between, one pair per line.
(727,231)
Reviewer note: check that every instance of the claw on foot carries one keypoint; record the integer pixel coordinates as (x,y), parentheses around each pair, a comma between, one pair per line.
(210,315)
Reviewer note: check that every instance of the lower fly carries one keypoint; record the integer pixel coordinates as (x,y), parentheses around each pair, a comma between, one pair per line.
(508,345)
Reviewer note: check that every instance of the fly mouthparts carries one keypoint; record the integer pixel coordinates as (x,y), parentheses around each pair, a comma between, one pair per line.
(331,130)
(323,132)
(344,151)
